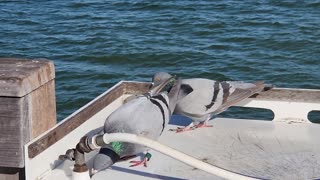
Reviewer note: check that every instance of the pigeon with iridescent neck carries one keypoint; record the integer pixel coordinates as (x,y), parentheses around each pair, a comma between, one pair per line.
(145,115)
(200,99)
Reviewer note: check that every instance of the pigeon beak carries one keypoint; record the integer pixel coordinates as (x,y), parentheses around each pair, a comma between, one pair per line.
(158,88)
(151,85)
(173,95)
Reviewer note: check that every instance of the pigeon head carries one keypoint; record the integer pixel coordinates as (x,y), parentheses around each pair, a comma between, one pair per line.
(160,77)
(163,86)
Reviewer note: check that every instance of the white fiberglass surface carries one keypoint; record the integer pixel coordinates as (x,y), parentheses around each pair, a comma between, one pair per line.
(256,148)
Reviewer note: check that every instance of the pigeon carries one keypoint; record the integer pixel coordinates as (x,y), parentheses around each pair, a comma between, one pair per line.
(145,115)
(200,99)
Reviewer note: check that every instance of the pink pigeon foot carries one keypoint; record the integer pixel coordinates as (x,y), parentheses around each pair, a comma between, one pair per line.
(203,124)
(190,127)
(146,158)
(182,129)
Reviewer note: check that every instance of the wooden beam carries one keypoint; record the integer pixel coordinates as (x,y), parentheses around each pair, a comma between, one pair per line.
(27,108)
(14,128)
(19,77)
(44,112)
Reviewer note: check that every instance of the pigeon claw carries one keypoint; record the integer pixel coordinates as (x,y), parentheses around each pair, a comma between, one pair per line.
(138,163)
(190,128)
(179,129)
(203,125)
(146,158)
(125,158)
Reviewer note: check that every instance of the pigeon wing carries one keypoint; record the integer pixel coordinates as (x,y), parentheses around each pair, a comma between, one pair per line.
(240,92)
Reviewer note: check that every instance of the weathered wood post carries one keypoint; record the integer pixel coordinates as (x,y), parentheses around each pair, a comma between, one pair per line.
(27,108)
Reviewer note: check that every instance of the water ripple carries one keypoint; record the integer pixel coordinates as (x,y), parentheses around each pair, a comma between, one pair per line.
(95,44)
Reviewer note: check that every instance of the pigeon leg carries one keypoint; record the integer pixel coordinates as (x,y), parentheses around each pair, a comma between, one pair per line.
(203,124)
(187,128)
(146,158)
(127,158)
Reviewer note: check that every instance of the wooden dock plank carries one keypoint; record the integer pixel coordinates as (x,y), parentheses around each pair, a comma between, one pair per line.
(27,108)
(19,77)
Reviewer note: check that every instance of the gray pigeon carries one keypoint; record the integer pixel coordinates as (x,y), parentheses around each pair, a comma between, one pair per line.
(146,115)
(200,99)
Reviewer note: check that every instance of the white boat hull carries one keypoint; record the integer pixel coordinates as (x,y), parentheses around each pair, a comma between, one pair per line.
(286,148)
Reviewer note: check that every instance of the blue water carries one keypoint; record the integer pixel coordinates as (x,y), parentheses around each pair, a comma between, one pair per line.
(95,44)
